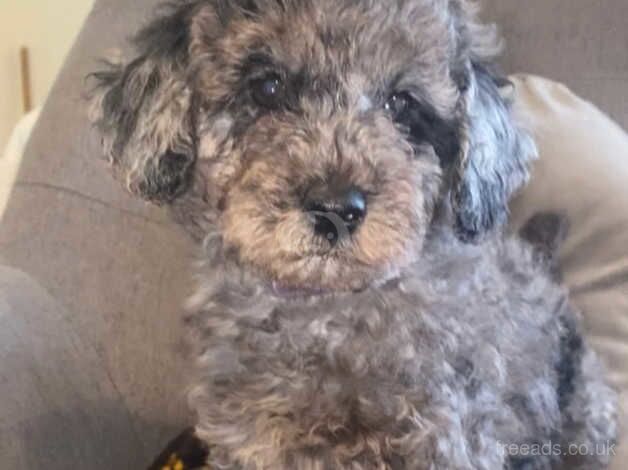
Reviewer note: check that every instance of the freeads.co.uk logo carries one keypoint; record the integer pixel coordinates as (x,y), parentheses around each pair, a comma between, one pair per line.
(552,449)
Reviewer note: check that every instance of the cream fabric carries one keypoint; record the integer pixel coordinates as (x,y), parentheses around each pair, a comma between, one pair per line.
(583,171)
(12,156)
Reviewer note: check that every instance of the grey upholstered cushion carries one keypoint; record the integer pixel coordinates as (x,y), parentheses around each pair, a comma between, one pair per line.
(117,268)
(60,406)
(581,43)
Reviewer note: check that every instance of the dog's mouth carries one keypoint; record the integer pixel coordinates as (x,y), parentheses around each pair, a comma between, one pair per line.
(288,292)
(317,255)
(334,237)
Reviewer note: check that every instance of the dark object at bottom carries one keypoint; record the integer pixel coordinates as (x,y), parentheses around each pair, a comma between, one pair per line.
(185,452)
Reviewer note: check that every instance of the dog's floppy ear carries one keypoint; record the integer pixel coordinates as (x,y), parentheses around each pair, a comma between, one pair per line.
(495,153)
(494,160)
(143,110)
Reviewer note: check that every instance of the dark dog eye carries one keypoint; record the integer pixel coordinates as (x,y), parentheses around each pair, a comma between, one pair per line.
(422,124)
(268,91)
(398,104)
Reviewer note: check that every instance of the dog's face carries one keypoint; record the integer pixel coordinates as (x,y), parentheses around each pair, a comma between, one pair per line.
(331,175)
(316,136)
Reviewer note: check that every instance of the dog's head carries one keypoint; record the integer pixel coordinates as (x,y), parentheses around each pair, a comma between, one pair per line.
(318,137)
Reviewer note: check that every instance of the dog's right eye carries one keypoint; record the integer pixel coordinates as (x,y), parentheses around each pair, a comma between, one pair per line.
(398,104)
(268,91)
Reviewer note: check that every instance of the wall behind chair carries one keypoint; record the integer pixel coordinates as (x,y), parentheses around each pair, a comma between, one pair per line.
(48,28)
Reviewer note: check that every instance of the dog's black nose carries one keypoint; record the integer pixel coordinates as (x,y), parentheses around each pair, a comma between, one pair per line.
(337,215)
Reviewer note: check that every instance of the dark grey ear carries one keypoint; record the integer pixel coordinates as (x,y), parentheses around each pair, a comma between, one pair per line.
(495,156)
(143,110)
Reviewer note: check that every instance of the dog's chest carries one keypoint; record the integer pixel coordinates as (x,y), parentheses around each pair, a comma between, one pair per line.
(459,340)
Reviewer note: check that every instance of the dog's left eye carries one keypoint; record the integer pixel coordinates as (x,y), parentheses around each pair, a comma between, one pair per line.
(398,104)
(268,91)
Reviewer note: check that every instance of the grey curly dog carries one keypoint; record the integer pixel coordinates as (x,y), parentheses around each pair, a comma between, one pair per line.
(347,165)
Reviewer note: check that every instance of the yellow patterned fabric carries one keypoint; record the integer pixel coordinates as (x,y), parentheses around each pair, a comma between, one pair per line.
(185,452)
(174,463)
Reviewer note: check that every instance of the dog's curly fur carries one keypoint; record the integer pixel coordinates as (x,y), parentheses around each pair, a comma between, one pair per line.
(402,345)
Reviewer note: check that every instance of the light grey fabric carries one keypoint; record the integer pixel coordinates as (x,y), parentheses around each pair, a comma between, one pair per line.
(118,268)
(60,407)
(581,43)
